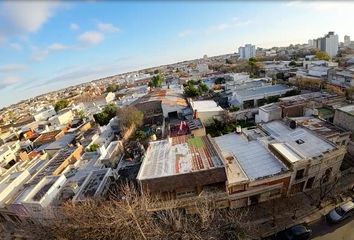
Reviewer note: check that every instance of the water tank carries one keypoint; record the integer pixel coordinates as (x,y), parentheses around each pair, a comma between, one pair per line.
(238,129)
(292,124)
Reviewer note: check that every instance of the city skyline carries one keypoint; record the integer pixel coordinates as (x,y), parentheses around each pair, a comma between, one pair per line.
(58,44)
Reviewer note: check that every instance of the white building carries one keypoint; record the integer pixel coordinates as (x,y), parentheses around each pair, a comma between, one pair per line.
(206,110)
(329,44)
(63,117)
(346,40)
(247,52)
(8,153)
(44,114)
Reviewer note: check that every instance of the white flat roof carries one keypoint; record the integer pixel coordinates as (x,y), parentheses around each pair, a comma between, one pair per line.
(301,140)
(206,106)
(253,156)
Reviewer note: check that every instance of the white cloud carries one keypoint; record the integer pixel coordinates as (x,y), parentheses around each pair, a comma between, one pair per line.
(16,46)
(12,68)
(57,47)
(40,55)
(235,23)
(8,81)
(107,28)
(91,37)
(322,6)
(185,33)
(74,26)
(19,17)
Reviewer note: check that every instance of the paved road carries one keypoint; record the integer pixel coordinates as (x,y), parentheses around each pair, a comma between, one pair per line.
(342,231)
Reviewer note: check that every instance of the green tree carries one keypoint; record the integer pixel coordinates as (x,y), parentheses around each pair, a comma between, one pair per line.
(220,80)
(81,114)
(203,87)
(320,55)
(292,64)
(191,91)
(106,115)
(112,87)
(94,147)
(156,81)
(61,104)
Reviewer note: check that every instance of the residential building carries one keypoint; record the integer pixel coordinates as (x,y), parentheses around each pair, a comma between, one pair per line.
(313,160)
(44,114)
(247,52)
(329,44)
(8,154)
(63,117)
(48,137)
(340,77)
(181,167)
(344,118)
(206,110)
(346,40)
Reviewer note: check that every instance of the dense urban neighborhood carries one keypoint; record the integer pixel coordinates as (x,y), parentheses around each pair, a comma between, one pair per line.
(256,144)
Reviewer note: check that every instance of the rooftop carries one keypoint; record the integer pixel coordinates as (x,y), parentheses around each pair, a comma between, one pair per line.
(264,90)
(47,136)
(179,155)
(301,141)
(206,106)
(254,158)
(61,143)
(348,109)
(320,127)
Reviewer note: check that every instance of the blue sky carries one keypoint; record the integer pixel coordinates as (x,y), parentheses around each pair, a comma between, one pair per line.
(46,46)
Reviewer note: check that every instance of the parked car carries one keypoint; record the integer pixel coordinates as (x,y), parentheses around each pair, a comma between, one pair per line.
(341,212)
(297,232)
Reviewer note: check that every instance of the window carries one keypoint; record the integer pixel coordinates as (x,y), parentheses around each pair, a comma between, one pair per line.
(310,182)
(300,174)
(299,141)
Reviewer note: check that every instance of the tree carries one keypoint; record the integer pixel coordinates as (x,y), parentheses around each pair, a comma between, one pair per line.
(61,104)
(81,114)
(112,87)
(130,116)
(106,115)
(349,93)
(280,75)
(156,81)
(94,147)
(203,87)
(191,91)
(320,55)
(292,64)
(220,80)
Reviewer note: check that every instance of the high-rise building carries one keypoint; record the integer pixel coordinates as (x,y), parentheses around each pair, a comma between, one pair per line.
(346,40)
(328,43)
(247,52)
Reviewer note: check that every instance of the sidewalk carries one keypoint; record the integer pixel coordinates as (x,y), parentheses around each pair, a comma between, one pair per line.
(269,223)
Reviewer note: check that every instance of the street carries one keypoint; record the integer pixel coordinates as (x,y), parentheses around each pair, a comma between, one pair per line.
(342,231)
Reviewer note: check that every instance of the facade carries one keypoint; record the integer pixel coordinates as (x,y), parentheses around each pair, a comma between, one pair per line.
(247,52)
(269,113)
(8,154)
(344,118)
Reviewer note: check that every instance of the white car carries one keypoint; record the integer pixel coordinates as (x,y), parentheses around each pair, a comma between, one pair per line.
(341,212)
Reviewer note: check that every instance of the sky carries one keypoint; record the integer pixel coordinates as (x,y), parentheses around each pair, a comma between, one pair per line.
(48,45)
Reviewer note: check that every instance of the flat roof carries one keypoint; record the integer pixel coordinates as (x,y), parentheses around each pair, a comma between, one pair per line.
(253,156)
(61,143)
(206,106)
(348,109)
(301,140)
(262,90)
(179,155)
